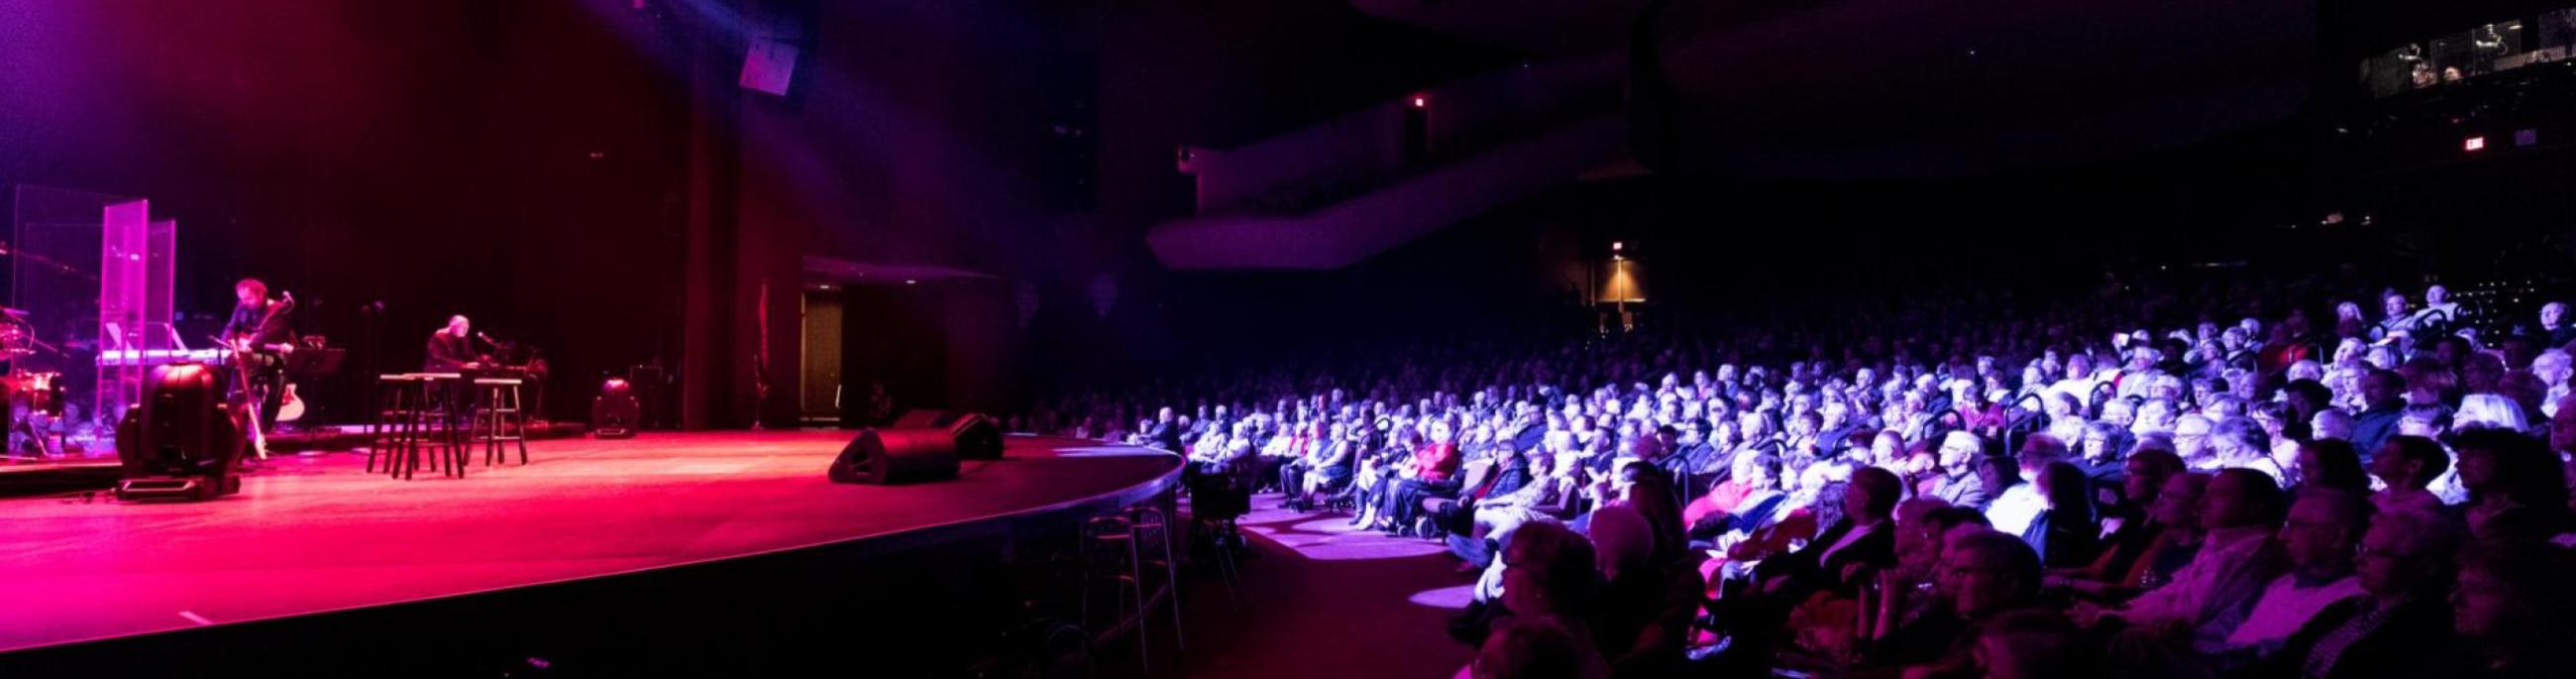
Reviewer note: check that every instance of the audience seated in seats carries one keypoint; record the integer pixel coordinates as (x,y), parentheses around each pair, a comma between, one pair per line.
(1502,473)
(2512,481)
(2239,443)
(2191,441)
(2017,501)
(2330,463)
(1914,620)
(2405,468)
(2099,455)
(2066,532)
(2383,395)
(1987,577)
(1432,473)
(1535,649)
(2510,610)
(1549,578)
(1747,500)
(1842,558)
(1547,496)
(1640,487)
(1960,484)
(2032,644)
(2239,513)
(1778,434)
(2324,528)
(1645,606)
(2167,539)
(2404,566)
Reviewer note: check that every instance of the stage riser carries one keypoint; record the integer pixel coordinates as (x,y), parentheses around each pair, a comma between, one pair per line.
(922,604)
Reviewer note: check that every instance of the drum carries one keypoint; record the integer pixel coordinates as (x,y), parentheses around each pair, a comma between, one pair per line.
(17,338)
(39,392)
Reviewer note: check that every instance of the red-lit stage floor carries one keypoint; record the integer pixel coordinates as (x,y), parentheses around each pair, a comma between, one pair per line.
(312,535)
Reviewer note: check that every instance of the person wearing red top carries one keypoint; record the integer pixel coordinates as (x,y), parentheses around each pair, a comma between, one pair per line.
(1437,461)
(1430,474)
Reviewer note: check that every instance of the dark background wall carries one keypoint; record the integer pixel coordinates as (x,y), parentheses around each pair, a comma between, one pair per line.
(511,161)
(552,168)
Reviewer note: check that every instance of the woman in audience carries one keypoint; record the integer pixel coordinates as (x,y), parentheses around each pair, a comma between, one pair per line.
(2239,443)
(1745,501)
(2405,567)
(2032,644)
(1798,518)
(2406,467)
(1646,605)
(2513,481)
(1911,610)
(2330,463)
(2105,441)
(2066,533)
(2511,610)
(2489,411)
(2017,502)
(1534,649)
(2175,545)
(1328,467)
(2144,553)
(1886,450)
(1550,577)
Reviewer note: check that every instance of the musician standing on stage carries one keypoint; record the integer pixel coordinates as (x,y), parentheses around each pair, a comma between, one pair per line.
(263,333)
(451,349)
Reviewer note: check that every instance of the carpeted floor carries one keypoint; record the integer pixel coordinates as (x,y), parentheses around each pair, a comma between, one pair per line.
(1319,598)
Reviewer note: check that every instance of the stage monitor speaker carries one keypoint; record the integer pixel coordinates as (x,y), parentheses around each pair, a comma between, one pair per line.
(181,442)
(897,456)
(978,438)
(616,412)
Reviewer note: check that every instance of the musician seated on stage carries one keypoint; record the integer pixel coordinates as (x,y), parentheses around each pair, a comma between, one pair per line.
(451,349)
(262,333)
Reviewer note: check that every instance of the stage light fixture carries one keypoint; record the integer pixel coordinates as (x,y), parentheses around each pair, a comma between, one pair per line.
(2473,144)
(2526,137)
(1420,101)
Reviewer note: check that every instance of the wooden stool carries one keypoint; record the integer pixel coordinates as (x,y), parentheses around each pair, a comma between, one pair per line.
(392,404)
(497,403)
(433,425)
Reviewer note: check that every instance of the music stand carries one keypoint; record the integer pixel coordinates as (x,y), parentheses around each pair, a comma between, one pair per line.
(315,363)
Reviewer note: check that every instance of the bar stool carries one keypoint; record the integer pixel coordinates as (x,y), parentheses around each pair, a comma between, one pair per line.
(393,403)
(497,403)
(1154,529)
(1110,555)
(434,431)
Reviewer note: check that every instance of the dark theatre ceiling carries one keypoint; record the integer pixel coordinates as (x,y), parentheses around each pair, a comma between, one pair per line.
(1776,90)
(1887,89)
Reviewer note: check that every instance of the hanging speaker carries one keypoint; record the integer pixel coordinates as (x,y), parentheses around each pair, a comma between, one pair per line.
(769,66)
(897,456)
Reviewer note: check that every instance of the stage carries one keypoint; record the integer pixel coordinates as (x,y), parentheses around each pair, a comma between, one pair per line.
(313,535)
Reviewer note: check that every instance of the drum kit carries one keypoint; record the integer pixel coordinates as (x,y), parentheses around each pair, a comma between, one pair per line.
(34,399)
